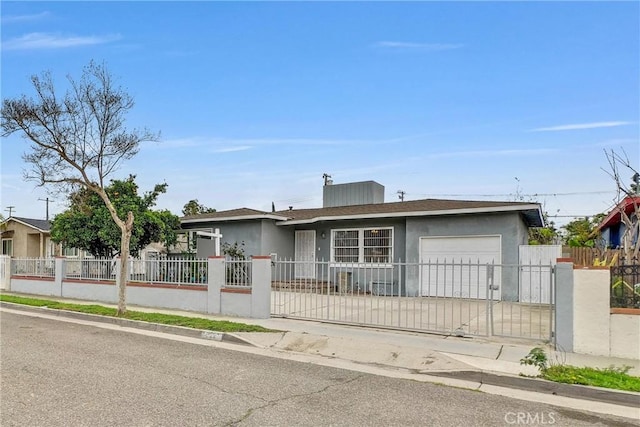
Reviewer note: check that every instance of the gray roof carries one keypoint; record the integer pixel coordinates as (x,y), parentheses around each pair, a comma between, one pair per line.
(428,207)
(40,224)
(240,213)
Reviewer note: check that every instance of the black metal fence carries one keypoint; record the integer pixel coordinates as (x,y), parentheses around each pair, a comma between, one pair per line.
(625,284)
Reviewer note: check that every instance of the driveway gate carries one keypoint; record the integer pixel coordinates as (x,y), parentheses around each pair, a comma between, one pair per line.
(449,297)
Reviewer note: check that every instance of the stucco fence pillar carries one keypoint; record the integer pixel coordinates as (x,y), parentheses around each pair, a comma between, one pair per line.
(215,282)
(254,301)
(5,272)
(261,287)
(585,322)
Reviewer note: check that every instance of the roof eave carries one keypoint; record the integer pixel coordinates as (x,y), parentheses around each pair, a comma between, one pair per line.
(627,204)
(26,224)
(416,214)
(232,218)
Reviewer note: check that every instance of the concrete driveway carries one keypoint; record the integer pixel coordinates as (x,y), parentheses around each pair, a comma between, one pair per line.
(455,316)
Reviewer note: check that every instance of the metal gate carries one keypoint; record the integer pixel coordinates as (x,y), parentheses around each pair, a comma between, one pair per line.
(389,296)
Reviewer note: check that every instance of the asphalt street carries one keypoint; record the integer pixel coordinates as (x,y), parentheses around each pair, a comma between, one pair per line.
(56,373)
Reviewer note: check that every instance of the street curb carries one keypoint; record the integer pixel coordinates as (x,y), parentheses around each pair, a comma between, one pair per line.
(137,324)
(616,397)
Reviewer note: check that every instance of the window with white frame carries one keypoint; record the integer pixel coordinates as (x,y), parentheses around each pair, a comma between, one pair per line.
(7,247)
(362,245)
(70,252)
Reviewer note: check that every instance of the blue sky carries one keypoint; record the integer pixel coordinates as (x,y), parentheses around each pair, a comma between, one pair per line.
(256,100)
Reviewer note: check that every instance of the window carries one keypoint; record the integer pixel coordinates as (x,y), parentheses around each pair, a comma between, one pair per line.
(362,245)
(70,252)
(7,247)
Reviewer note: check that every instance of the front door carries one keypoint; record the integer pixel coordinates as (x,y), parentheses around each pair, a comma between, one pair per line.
(305,254)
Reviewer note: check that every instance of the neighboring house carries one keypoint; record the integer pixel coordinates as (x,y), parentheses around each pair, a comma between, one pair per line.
(611,228)
(31,238)
(27,238)
(355,228)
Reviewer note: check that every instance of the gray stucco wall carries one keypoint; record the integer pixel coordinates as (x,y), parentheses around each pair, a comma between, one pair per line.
(249,232)
(260,237)
(360,278)
(323,250)
(264,237)
(277,240)
(509,226)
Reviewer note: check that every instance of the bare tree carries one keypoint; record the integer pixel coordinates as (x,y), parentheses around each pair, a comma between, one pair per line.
(626,195)
(78,140)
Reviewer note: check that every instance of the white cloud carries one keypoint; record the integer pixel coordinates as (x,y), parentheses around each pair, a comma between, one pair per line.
(425,47)
(578,126)
(12,19)
(232,149)
(55,41)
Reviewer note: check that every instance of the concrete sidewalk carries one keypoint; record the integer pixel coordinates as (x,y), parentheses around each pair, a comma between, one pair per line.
(476,360)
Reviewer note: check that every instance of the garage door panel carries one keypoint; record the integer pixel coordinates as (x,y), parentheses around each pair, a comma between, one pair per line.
(455,267)
(457,245)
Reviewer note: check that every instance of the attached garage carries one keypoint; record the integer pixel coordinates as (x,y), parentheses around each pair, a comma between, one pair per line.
(456,266)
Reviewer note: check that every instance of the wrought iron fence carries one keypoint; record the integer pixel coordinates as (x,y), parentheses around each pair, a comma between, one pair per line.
(101,269)
(169,271)
(33,267)
(452,297)
(625,284)
(238,273)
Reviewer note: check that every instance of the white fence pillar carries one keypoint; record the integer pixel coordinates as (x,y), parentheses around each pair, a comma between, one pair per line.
(5,272)
(261,287)
(60,265)
(564,306)
(591,311)
(215,282)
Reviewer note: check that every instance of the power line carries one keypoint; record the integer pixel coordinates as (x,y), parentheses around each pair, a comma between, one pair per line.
(570,216)
(576,193)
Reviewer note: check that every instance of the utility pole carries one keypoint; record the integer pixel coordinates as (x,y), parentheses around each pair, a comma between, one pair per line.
(10,209)
(401,195)
(46,200)
(327,179)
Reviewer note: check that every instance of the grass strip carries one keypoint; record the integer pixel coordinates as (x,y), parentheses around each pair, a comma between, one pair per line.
(615,378)
(165,319)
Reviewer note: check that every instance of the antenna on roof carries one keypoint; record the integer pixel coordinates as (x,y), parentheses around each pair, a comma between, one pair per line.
(10,209)
(327,180)
(401,194)
(273,207)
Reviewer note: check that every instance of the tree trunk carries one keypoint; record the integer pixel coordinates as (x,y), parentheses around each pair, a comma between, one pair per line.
(124,264)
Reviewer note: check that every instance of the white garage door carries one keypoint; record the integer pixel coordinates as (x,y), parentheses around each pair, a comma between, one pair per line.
(457,266)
